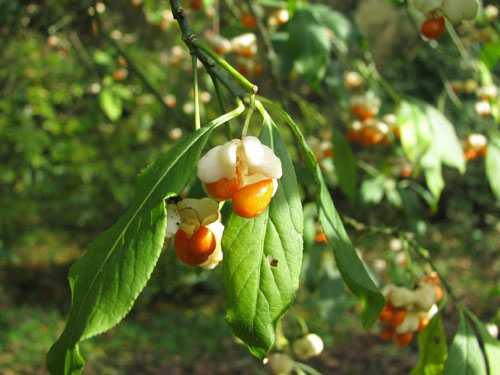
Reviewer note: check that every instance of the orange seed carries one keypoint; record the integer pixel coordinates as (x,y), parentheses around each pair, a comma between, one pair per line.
(251,200)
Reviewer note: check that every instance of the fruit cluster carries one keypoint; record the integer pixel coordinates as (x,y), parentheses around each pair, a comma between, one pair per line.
(435,12)
(407,311)
(197,230)
(477,145)
(243,170)
(367,129)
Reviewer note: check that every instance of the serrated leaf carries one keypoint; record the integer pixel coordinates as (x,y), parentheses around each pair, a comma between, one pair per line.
(345,164)
(350,266)
(490,344)
(492,161)
(262,259)
(433,349)
(465,356)
(111,104)
(106,281)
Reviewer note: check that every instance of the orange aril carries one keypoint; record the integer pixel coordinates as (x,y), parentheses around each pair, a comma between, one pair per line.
(352,136)
(423,323)
(439,292)
(387,333)
(196,4)
(482,151)
(362,112)
(183,250)
(433,28)
(328,153)
(247,20)
(202,242)
(387,313)
(225,188)
(251,200)
(320,237)
(470,154)
(406,172)
(403,339)
(398,317)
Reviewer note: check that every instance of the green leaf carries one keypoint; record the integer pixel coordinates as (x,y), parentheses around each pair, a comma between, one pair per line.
(102,58)
(372,190)
(465,356)
(332,299)
(111,104)
(415,131)
(308,43)
(492,161)
(429,140)
(262,259)
(445,143)
(345,164)
(490,54)
(413,210)
(490,344)
(340,25)
(106,281)
(433,349)
(350,266)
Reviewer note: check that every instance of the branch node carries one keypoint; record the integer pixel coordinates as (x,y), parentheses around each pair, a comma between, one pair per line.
(210,61)
(180,14)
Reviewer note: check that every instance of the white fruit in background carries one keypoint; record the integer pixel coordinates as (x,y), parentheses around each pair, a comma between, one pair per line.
(457,10)
(280,363)
(308,346)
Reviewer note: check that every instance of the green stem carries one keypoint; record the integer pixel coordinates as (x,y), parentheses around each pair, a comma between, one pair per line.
(189,37)
(387,86)
(197,121)
(250,112)
(270,52)
(222,107)
(425,256)
(251,88)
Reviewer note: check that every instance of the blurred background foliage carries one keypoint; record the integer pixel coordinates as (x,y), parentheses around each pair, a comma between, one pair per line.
(87,102)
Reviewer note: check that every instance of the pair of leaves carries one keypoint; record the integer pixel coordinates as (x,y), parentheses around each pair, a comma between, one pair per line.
(429,140)
(350,266)
(464,357)
(106,281)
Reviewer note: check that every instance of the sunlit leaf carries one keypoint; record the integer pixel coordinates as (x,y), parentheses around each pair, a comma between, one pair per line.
(433,349)
(465,356)
(490,344)
(345,164)
(106,281)
(262,259)
(111,104)
(492,161)
(350,266)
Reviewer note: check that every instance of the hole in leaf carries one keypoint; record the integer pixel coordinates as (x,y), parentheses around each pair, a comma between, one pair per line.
(273,262)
